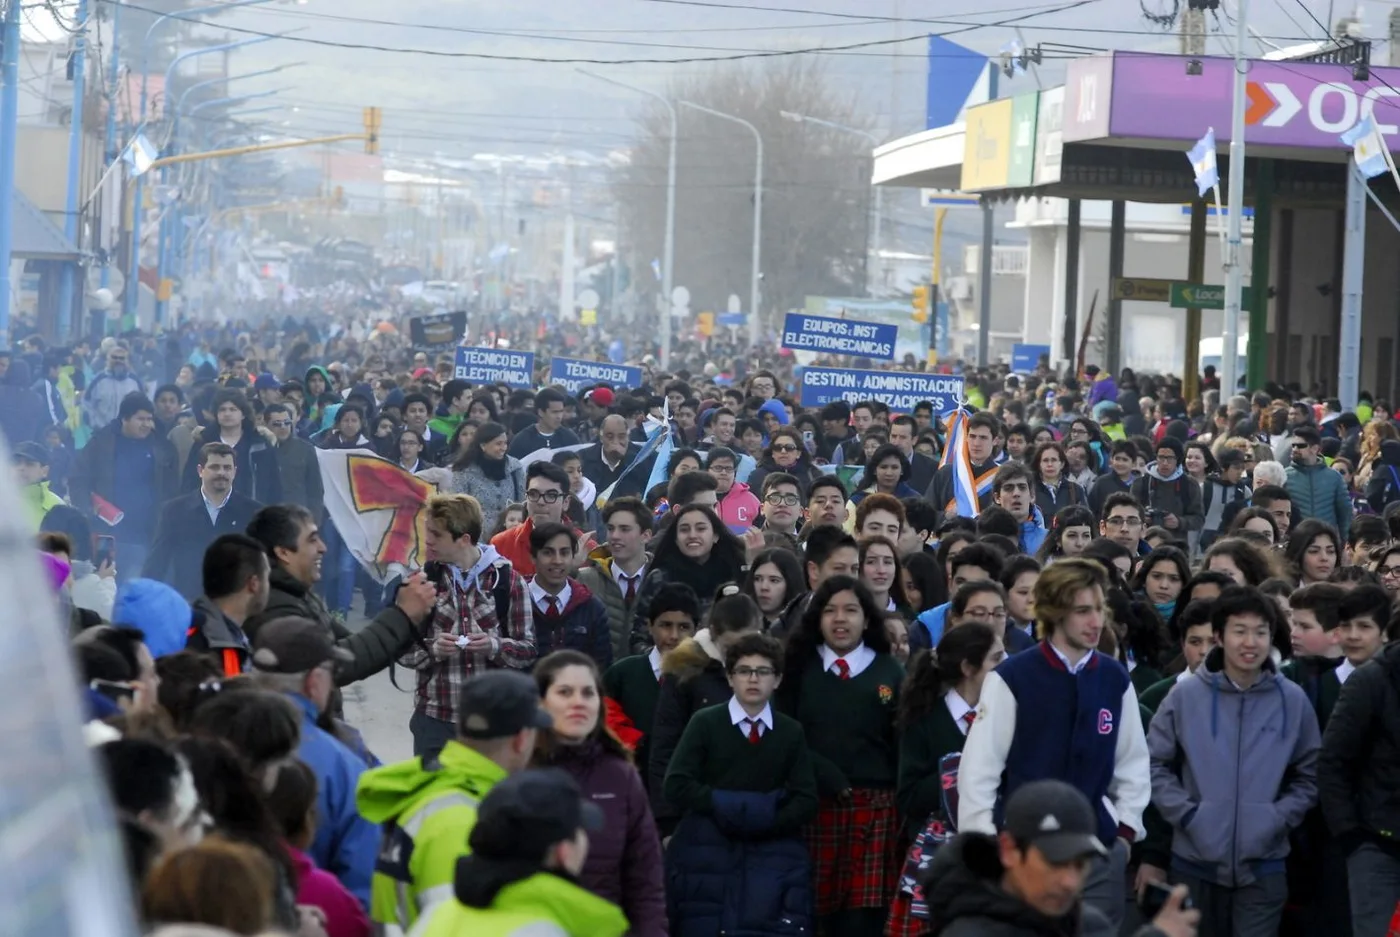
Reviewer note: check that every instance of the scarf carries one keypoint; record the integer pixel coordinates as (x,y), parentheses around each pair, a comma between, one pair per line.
(494,469)
(1166,609)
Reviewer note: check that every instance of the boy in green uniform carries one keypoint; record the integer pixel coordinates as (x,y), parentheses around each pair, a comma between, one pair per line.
(743,778)
(1197,640)
(1316,652)
(634,683)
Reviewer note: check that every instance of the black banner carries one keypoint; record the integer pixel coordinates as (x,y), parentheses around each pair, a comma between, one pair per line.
(443,328)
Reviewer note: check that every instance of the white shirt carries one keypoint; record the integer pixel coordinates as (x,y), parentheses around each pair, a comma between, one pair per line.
(213,508)
(1075,668)
(743,719)
(858,659)
(958,709)
(541,598)
(621,578)
(1344,669)
(654,658)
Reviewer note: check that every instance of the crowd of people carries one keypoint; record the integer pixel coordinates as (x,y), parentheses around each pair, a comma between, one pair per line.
(764,678)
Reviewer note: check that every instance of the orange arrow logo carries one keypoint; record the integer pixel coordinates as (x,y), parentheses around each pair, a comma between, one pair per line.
(1261,103)
(377,485)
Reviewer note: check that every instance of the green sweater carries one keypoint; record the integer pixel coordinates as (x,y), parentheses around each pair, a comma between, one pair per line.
(850,724)
(1143,678)
(632,685)
(1151,698)
(922,746)
(715,754)
(1318,678)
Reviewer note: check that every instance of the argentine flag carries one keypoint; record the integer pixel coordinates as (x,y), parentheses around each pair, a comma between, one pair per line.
(1202,157)
(955,453)
(1367,147)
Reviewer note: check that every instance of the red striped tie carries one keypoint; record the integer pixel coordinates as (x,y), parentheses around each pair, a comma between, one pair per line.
(754,734)
(843,669)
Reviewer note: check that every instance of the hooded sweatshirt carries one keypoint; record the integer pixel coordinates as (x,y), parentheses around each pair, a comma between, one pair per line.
(544,903)
(739,508)
(446,793)
(1176,493)
(1234,770)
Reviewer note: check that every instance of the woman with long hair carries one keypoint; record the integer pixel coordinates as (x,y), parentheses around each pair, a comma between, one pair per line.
(1372,435)
(1200,462)
(1143,645)
(347,430)
(923,579)
(460,441)
(882,574)
(624,860)
(842,683)
(786,452)
(483,408)
(937,706)
(409,450)
(1314,549)
(683,461)
(774,582)
(1053,490)
(696,548)
(488,474)
(886,472)
(1072,529)
(1160,577)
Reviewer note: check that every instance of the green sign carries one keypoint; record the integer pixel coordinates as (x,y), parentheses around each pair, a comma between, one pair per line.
(1021,170)
(1204,296)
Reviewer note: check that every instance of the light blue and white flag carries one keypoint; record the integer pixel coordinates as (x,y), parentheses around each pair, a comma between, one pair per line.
(1367,147)
(140,154)
(1202,157)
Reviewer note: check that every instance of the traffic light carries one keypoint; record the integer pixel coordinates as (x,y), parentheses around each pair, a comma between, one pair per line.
(372,131)
(920,303)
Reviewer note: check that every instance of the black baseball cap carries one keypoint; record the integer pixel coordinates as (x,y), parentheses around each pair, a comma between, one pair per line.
(31,452)
(500,703)
(528,812)
(295,645)
(1056,819)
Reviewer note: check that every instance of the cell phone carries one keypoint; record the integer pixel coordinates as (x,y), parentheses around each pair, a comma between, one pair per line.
(104,550)
(809,440)
(1154,897)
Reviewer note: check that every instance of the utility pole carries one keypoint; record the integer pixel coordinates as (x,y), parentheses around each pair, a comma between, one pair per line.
(1234,271)
(75,153)
(9,124)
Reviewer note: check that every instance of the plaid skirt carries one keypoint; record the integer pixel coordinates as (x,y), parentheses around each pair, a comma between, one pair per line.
(855,852)
(902,923)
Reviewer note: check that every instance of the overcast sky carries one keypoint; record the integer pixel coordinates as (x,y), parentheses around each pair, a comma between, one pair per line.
(464,104)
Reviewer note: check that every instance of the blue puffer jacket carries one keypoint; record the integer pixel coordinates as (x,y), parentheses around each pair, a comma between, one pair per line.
(720,881)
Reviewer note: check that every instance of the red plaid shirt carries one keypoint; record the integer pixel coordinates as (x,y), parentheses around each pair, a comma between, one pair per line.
(469,611)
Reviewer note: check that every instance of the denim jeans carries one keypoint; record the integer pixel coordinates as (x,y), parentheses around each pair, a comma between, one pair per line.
(338,570)
(1374,879)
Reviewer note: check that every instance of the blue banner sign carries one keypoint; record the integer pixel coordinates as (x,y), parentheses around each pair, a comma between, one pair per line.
(802,332)
(1024,358)
(898,390)
(495,366)
(734,320)
(576,374)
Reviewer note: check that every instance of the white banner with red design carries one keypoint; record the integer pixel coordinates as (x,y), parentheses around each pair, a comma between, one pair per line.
(378,508)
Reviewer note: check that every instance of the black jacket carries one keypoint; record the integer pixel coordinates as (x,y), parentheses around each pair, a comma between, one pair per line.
(93,474)
(1358,772)
(184,532)
(301,475)
(597,471)
(1384,486)
(375,646)
(964,893)
(691,678)
(256,459)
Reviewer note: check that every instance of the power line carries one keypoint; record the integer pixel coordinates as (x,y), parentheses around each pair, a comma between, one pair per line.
(578,60)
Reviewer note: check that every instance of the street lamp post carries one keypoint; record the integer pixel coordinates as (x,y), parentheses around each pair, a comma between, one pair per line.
(872,249)
(133,287)
(757,274)
(669,251)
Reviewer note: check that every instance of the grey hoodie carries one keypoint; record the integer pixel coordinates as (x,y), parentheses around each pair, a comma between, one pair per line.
(1233,771)
(1176,493)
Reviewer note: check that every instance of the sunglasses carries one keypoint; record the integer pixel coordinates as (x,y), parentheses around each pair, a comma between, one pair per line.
(784,447)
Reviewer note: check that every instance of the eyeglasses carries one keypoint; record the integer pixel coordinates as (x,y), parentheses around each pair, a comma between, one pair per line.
(547,497)
(280,424)
(784,447)
(1389,572)
(984,614)
(748,673)
(776,499)
(721,469)
(1124,522)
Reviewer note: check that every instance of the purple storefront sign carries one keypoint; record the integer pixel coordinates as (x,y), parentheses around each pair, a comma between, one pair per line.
(1089,87)
(1291,104)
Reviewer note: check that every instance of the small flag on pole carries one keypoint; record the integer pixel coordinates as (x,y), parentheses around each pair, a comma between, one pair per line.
(965,501)
(140,154)
(1367,147)
(1202,157)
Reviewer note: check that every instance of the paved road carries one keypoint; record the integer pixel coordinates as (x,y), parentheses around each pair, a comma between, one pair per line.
(381,712)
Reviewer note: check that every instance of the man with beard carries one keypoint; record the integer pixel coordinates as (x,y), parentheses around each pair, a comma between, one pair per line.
(236,585)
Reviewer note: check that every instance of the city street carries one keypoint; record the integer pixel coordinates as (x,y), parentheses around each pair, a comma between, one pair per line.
(381,712)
